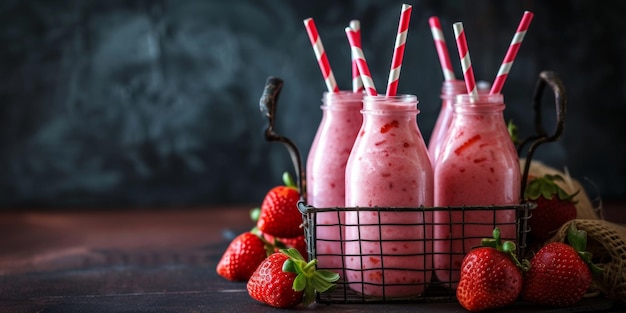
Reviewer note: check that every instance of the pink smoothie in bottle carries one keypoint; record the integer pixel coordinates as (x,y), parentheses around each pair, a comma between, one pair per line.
(388,253)
(449,90)
(326,167)
(478,166)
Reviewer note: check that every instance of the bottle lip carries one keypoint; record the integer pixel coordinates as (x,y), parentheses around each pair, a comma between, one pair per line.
(382,104)
(348,94)
(343,99)
(484,103)
(396,98)
(482,98)
(453,85)
(451,88)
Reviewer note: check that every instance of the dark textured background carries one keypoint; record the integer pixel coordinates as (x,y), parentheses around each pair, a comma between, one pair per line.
(155,103)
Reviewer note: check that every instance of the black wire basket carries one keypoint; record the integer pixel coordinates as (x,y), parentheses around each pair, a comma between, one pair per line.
(427,289)
(417,279)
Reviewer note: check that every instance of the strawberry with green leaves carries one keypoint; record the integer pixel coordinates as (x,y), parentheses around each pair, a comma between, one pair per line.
(285,279)
(243,256)
(555,207)
(491,275)
(279,214)
(280,243)
(560,274)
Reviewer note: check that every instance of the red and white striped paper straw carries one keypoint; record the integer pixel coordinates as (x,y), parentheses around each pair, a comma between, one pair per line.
(366,77)
(320,54)
(466,62)
(442,49)
(398,50)
(507,63)
(357,83)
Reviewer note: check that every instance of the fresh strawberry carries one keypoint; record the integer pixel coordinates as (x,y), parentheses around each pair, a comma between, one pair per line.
(279,214)
(490,276)
(554,207)
(243,256)
(560,274)
(298,243)
(285,279)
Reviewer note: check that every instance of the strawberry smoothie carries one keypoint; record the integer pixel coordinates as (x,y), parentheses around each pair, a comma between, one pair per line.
(388,252)
(449,90)
(478,166)
(326,167)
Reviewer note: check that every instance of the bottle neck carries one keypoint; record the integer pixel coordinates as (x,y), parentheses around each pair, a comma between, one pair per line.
(451,88)
(385,105)
(342,100)
(483,103)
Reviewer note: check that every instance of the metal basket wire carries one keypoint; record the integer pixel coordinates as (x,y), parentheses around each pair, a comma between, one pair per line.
(434,290)
(431,288)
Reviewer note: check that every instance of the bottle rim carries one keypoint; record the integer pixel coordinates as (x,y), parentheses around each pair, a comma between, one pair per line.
(382,104)
(342,100)
(339,95)
(482,104)
(482,98)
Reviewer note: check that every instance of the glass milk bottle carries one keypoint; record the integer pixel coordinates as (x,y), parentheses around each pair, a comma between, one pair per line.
(389,167)
(449,90)
(478,166)
(326,166)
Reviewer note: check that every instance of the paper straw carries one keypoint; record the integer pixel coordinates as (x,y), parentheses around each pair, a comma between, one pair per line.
(320,54)
(398,51)
(507,63)
(357,83)
(442,49)
(364,71)
(466,62)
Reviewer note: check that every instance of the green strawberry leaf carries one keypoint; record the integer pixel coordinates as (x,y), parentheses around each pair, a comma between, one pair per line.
(290,266)
(508,247)
(596,270)
(288,180)
(309,296)
(493,242)
(254,214)
(328,275)
(293,253)
(578,240)
(308,279)
(513,132)
(320,284)
(546,187)
(299,283)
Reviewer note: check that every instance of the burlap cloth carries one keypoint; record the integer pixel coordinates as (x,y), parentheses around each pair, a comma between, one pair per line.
(606,240)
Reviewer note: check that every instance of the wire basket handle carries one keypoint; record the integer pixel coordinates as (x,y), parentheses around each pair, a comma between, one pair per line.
(268,104)
(560,100)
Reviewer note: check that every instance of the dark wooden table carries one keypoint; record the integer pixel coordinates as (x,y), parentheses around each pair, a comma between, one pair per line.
(150,261)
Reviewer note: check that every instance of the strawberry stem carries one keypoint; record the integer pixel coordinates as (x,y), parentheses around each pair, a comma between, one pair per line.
(508,247)
(288,180)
